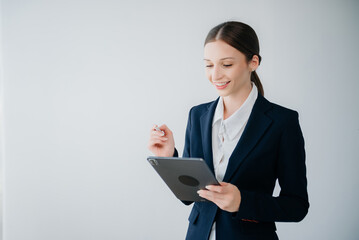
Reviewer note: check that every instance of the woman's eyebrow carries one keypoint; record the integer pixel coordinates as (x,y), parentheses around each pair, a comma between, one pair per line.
(220,59)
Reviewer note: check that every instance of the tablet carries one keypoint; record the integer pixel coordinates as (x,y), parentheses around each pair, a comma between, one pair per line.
(184,176)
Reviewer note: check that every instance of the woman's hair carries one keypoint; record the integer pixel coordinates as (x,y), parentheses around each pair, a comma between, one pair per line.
(242,37)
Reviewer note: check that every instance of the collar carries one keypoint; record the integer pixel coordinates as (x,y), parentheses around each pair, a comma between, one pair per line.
(236,121)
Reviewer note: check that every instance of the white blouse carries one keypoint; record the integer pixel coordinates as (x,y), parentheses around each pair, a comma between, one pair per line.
(226,134)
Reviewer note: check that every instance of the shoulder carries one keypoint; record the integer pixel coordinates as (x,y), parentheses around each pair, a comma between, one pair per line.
(281,113)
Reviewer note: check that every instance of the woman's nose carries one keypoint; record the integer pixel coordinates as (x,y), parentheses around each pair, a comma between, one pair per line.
(216,73)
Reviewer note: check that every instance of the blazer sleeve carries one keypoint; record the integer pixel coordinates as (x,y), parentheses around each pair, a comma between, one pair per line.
(292,203)
(186,150)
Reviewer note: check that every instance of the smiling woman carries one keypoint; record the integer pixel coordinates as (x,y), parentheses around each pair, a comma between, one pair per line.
(229,71)
(241,37)
(247,141)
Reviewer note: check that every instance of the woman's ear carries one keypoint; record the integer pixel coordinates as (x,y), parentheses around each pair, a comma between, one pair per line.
(254,63)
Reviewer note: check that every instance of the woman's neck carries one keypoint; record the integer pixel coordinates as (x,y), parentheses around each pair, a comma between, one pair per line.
(234,102)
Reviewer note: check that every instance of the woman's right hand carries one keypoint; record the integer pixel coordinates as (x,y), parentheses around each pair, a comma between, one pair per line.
(161,146)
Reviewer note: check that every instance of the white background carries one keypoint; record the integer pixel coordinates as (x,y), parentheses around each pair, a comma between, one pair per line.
(82,82)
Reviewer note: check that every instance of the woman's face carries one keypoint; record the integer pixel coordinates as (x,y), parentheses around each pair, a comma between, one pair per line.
(227,68)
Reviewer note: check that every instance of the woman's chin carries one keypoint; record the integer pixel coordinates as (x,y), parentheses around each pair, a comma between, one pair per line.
(223,93)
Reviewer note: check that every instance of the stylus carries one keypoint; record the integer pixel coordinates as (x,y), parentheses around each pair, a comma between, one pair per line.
(159,130)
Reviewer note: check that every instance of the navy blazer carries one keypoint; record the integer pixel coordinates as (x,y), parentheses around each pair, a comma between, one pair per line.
(270,148)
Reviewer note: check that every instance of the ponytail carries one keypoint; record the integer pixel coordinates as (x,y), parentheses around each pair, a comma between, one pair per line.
(255,79)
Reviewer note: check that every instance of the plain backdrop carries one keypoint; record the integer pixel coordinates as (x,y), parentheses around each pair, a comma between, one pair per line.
(82,83)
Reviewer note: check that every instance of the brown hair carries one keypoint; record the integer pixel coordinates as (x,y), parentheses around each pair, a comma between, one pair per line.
(242,37)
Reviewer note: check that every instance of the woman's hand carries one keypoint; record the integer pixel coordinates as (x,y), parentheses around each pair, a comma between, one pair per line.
(161,146)
(226,196)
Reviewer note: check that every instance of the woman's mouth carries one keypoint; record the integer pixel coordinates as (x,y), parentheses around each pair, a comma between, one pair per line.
(221,85)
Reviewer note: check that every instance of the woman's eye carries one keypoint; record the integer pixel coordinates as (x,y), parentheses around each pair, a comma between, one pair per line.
(225,65)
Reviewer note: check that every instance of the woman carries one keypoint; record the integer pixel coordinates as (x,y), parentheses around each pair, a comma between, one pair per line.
(247,141)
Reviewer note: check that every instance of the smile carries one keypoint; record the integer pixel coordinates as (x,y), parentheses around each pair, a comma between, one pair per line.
(221,85)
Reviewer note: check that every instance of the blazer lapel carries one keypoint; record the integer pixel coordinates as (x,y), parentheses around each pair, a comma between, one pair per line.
(206,132)
(257,124)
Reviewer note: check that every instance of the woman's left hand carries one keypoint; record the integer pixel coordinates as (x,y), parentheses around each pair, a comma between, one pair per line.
(226,196)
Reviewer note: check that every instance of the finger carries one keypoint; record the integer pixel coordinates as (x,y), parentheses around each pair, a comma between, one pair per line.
(203,194)
(153,128)
(214,197)
(211,196)
(165,129)
(159,138)
(155,142)
(158,130)
(224,183)
(215,188)
(156,133)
